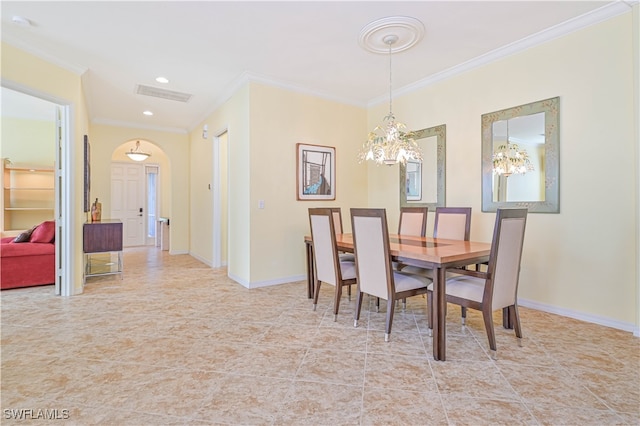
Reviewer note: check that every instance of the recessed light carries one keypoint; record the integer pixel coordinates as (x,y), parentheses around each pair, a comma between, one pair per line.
(147,113)
(21,20)
(162,80)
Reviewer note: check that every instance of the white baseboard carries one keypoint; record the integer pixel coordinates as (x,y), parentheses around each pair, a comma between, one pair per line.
(278,281)
(179,252)
(239,280)
(595,319)
(268,283)
(202,259)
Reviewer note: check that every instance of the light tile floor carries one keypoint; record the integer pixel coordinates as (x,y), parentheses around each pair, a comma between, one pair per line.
(177,342)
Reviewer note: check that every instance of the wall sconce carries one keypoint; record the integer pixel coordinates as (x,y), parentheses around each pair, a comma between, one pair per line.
(205,131)
(136,154)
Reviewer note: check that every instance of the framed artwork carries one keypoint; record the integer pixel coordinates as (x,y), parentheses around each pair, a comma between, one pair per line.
(87,175)
(316,172)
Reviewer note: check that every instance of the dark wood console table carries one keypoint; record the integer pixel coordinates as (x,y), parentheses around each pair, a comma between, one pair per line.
(105,238)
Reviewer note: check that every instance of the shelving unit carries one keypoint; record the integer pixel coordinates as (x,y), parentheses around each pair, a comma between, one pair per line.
(28,196)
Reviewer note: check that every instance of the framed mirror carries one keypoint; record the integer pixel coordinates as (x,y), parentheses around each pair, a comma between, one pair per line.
(423,184)
(520,157)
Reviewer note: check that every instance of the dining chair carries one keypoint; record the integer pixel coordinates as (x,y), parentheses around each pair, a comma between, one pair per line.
(451,223)
(413,221)
(328,266)
(337,223)
(374,271)
(497,288)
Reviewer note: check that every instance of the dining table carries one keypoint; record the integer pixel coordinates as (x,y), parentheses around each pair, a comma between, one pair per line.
(431,253)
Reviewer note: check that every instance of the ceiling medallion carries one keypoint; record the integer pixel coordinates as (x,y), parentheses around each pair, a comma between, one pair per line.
(409,32)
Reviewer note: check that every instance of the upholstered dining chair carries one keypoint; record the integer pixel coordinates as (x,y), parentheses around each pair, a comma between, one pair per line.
(328,266)
(374,271)
(451,223)
(413,221)
(497,288)
(337,223)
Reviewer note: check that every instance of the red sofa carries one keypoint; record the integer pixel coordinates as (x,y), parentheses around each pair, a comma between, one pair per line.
(29,263)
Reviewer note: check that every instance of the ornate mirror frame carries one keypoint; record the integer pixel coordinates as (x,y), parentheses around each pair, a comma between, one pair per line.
(440,133)
(551,203)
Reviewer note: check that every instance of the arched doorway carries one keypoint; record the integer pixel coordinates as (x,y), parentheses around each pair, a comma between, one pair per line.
(136,192)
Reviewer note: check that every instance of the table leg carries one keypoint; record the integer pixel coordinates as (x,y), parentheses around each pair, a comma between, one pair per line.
(310,273)
(439,319)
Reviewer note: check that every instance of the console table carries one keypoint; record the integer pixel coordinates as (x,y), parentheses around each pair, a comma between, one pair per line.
(103,237)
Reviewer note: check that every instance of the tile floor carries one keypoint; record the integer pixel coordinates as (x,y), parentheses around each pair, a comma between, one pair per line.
(176,342)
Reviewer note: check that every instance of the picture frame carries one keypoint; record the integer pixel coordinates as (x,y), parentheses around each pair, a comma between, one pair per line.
(414,180)
(315,172)
(87,175)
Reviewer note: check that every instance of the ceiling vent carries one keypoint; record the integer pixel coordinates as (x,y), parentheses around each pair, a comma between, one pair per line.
(162,93)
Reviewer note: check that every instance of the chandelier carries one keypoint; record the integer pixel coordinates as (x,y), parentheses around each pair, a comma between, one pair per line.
(390,143)
(136,154)
(509,159)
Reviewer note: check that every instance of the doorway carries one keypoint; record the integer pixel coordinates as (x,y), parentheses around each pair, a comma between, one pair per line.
(220,199)
(134,201)
(28,107)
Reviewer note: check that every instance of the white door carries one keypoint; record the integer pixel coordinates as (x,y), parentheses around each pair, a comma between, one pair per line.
(127,201)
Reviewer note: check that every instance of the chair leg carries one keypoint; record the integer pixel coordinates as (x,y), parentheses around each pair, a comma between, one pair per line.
(359,295)
(463,312)
(515,318)
(404,304)
(316,294)
(430,312)
(336,301)
(390,309)
(488,325)
(349,292)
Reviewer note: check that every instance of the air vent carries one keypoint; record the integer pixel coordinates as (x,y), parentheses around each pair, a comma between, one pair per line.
(162,93)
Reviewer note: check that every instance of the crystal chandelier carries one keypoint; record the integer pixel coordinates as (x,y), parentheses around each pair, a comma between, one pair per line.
(390,143)
(508,159)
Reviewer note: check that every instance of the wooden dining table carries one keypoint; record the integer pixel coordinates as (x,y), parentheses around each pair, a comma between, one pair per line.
(432,253)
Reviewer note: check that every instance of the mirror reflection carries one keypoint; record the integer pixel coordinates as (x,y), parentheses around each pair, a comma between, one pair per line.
(520,157)
(422,184)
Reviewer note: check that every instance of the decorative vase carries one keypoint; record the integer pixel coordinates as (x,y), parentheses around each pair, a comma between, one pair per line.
(96,211)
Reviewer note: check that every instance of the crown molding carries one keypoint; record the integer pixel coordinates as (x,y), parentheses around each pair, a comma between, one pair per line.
(588,19)
(17,43)
(249,77)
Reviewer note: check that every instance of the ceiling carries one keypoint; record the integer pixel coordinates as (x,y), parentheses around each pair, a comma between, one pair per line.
(210,48)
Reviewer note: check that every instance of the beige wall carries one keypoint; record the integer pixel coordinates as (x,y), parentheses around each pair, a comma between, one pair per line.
(265,245)
(29,141)
(581,261)
(169,150)
(232,116)
(279,120)
(23,70)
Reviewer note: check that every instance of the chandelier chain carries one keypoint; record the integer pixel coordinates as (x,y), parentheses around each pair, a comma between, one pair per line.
(390,80)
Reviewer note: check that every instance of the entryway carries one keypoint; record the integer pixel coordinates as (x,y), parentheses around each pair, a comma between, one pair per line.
(135,200)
